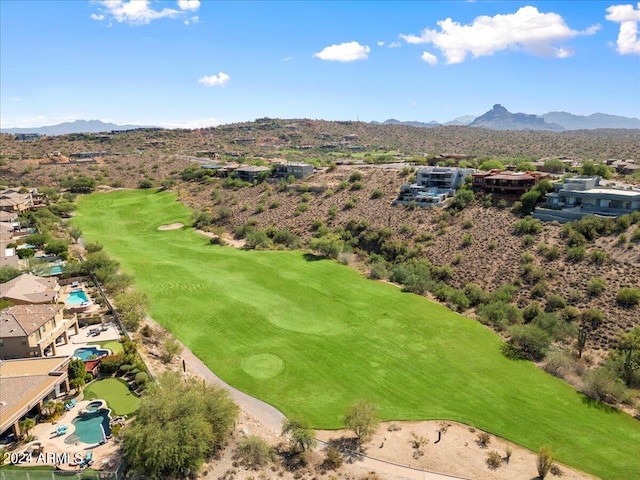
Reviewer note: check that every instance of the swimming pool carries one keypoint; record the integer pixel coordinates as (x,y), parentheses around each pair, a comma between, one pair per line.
(55,270)
(86,352)
(77,297)
(90,428)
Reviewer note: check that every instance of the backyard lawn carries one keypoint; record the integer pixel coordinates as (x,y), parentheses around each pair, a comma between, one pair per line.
(311,336)
(116,393)
(113,345)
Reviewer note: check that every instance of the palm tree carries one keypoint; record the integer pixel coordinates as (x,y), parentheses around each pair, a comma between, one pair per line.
(26,425)
(49,407)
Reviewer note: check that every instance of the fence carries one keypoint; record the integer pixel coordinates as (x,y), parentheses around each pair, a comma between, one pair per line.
(43,473)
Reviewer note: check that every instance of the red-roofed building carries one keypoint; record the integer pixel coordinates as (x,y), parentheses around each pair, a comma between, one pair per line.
(504,184)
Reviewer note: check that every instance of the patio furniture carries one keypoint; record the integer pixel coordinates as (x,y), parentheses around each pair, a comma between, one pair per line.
(61,430)
(70,404)
(86,461)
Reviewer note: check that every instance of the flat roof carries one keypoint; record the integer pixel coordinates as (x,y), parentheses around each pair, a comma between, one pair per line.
(23,383)
(610,191)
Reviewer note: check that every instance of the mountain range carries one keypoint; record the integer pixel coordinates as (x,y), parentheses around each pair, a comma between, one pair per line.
(79,126)
(498,118)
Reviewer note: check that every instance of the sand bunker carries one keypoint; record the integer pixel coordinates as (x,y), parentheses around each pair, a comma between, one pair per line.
(172,226)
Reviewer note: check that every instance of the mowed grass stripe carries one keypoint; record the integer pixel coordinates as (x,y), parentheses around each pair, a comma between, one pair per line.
(342,337)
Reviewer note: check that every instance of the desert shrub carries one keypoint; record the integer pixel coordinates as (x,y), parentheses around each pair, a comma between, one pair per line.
(531,341)
(378,270)
(377,193)
(531,311)
(576,254)
(458,301)
(532,274)
(146,331)
(635,236)
(544,459)
(540,289)
(527,257)
(504,293)
(333,459)
(527,240)
(598,256)
(628,297)
(558,363)
(468,223)
(355,177)
(357,186)
(549,252)
(499,314)
(555,302)
(466,240)
(484,439)
(254,452)
(569,314)
(258,240)
(491,246)
(145,183)
(554,326)
(462,199)
(603,385)
(475,294)
(528,226)
(494,460)
(596,286)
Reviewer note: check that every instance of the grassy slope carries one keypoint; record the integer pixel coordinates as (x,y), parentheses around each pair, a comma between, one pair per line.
(116,393)
(342,337)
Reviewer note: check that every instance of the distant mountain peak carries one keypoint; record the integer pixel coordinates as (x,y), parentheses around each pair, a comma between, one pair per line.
(499,118)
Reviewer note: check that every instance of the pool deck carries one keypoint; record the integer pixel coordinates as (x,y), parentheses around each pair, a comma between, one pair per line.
(53,446)
(84,338)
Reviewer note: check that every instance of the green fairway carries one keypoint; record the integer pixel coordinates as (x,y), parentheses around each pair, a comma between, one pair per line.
(116,393)
(311,336)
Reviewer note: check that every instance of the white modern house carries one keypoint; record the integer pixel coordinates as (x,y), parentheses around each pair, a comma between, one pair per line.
(580,196)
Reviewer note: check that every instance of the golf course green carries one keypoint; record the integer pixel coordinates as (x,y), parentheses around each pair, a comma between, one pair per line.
(310,336)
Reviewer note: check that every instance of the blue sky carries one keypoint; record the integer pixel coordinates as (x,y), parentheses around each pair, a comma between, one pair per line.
(196,63)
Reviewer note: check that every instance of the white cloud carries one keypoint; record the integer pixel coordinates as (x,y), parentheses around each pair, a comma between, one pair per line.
(430,58)
(344,52)
(628,17)
(140,12)
(219,80)
(191,5)
(287,59)
(381,44)
(527,29)
(395,45)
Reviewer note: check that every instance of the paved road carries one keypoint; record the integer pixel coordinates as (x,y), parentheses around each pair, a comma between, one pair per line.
(272,418)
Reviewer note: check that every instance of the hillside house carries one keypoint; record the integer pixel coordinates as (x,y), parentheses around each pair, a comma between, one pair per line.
(13,201)
(445,179)
(26,385)
(504,184)
(433,186)
(34,330)
(250,173)
(580,196)
(28,289)
(298,170)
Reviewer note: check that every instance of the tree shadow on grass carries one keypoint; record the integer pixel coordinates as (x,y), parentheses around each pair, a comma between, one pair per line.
(310,257)
(597,404)
(511,352)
